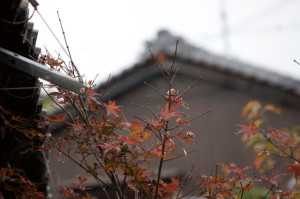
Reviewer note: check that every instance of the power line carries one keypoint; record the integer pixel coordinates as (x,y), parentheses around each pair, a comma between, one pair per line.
(253,19)
(262,14)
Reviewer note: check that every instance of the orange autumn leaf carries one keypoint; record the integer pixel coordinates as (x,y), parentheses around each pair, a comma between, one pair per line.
(111,108)
(79,187)
(251,106)
(259,160)
(172,186)
(81,180)
(272,108)
(58,118)
(67,192)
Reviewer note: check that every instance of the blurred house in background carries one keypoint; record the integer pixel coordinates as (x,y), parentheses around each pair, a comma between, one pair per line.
(226,86)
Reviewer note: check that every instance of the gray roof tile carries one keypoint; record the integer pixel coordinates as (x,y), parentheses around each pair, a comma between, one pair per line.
(166,43)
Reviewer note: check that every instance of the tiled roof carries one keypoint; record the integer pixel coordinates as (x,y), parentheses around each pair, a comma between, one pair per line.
(166,42)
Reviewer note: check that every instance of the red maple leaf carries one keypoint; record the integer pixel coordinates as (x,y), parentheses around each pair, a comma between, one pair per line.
(155,123)
(283,139)
(168,113)
(232,168)
(294,168)
(272,180)
(249,130)
(90,94)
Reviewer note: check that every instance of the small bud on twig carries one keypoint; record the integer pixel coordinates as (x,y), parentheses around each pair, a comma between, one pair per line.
(190,134)
(167,135)
(185,153)
(173,92)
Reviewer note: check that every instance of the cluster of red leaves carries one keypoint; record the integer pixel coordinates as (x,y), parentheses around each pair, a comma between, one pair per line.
(235,183)
(12,182)
(232,184)
(166,189)
(80,190)
(294,168)
(268,143)
(120,146)
(282,139)
(278,139)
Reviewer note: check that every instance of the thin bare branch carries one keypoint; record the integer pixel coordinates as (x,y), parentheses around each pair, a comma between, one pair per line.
(200,115)
(99,181)
(155,90)
(185,181)
(182,155)
(70,56)
(174,58)
(160,67)
(67,112)
(147,108)
(175,73)
(191,86)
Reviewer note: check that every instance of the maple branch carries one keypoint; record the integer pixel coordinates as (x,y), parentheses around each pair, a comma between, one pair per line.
(110,174)
(275,145)
(188,176)
(160,168)
(147,108)
(105,87)
(78,110)
(131,172)
(69,53)
(181,155)
(99,181)
(164,139)
(174,57)
(175,73)
(160,67)
(190,86)
(200,115)
(157,135)
(266,195)
(155,90)
(74,66)
(67,70)
(67,112)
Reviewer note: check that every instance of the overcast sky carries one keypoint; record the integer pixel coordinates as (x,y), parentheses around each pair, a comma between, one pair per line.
(105,37)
